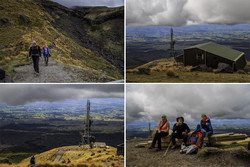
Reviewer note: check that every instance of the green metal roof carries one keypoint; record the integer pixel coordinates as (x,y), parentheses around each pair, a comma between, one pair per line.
(219,50)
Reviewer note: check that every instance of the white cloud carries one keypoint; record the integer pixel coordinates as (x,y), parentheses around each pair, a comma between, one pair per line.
(186,12)
(150,101)
(19,94)
(108,3)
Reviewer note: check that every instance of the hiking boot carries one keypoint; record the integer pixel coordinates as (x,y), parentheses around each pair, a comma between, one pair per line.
(173,146)
(158,149)
(36,74)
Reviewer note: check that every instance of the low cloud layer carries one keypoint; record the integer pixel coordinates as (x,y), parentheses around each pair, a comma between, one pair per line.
(20,94)
(187,12)
(108,3)
(148,102)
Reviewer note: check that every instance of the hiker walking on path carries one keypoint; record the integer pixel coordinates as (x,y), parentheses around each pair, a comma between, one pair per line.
(180,131)
(32,160)
(46,54)
(35,54)
(162,130)
(206,128)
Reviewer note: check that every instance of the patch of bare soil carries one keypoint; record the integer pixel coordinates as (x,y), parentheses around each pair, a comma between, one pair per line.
(141,157)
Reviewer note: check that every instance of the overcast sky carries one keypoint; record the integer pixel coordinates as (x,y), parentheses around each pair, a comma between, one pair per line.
(142,13)
(108,3)
(19,94)
(219,101)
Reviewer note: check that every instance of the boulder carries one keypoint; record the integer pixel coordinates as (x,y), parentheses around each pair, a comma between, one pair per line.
(203,67)
(4,20)
(24,19)
(223,67)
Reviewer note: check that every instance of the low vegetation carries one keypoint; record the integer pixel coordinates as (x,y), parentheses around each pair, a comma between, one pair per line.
(83,156)
(167,70)
(16,37)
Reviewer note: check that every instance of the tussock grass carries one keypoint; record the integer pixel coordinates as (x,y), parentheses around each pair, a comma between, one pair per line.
(166,69)
(16,39)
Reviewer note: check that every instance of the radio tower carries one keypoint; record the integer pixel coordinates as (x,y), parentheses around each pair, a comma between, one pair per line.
(172,53)
(149,130)
(87,138)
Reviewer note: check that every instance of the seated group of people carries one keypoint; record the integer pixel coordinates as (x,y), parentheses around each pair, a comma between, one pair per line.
(181,130)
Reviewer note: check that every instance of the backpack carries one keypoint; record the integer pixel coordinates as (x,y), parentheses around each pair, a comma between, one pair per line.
(196,139)
(2,74)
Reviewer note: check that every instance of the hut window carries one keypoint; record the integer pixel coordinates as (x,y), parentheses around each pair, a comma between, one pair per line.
(200,56)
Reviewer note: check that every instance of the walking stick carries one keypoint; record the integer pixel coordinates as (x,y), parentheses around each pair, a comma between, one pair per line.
(167,149)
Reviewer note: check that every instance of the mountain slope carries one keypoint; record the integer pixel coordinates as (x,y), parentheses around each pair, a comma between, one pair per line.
(78,157)
(28,20)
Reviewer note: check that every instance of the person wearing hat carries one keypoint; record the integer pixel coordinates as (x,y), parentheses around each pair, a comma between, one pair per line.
(180,131)
(162,130)
(35,54)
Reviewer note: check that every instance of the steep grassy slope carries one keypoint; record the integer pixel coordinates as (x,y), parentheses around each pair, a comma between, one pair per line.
(16,37)
(78,156)
(99,29)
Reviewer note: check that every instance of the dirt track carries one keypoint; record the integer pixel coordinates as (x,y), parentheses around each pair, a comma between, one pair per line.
(141,157)
(56,72)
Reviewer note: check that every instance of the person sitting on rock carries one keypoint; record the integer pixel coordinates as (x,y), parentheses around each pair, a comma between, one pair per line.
(162,130)
(46,54)
(35,54)
(32,160)
(206,128)
(180,131)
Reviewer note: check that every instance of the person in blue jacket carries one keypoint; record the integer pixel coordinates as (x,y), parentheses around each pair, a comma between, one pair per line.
(46,54)
(32,160)
(206,127)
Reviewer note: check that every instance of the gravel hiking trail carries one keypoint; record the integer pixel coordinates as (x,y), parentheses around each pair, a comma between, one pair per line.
(57,72)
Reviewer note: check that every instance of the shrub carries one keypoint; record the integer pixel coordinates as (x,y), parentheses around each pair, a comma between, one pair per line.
(241,72)
(216,71)
(171,73)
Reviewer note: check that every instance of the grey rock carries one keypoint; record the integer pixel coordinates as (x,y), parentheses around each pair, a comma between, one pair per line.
(1,8)
(223,67)
(4,20)
(24,19)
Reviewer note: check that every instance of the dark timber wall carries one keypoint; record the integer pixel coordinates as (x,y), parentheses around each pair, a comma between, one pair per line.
(211,60)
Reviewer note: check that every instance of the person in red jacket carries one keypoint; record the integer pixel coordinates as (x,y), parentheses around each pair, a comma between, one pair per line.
(162,131)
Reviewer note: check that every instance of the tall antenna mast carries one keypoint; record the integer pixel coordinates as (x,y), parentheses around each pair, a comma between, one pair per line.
(172,52)
(149,130)
(87,138)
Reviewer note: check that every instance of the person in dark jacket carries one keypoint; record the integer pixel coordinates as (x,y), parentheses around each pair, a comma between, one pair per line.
(46,54)
(35,54)
(207,129)
(180,131)
(32,160)
(162,130)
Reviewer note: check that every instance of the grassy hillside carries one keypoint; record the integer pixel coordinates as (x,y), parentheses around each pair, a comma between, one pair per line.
(78,157)
(167,70)
(16,37)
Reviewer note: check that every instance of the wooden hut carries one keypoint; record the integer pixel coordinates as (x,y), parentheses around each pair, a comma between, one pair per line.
(211,54)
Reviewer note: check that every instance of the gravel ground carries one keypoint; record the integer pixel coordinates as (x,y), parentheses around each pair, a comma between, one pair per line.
(141,157)
(56,72)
